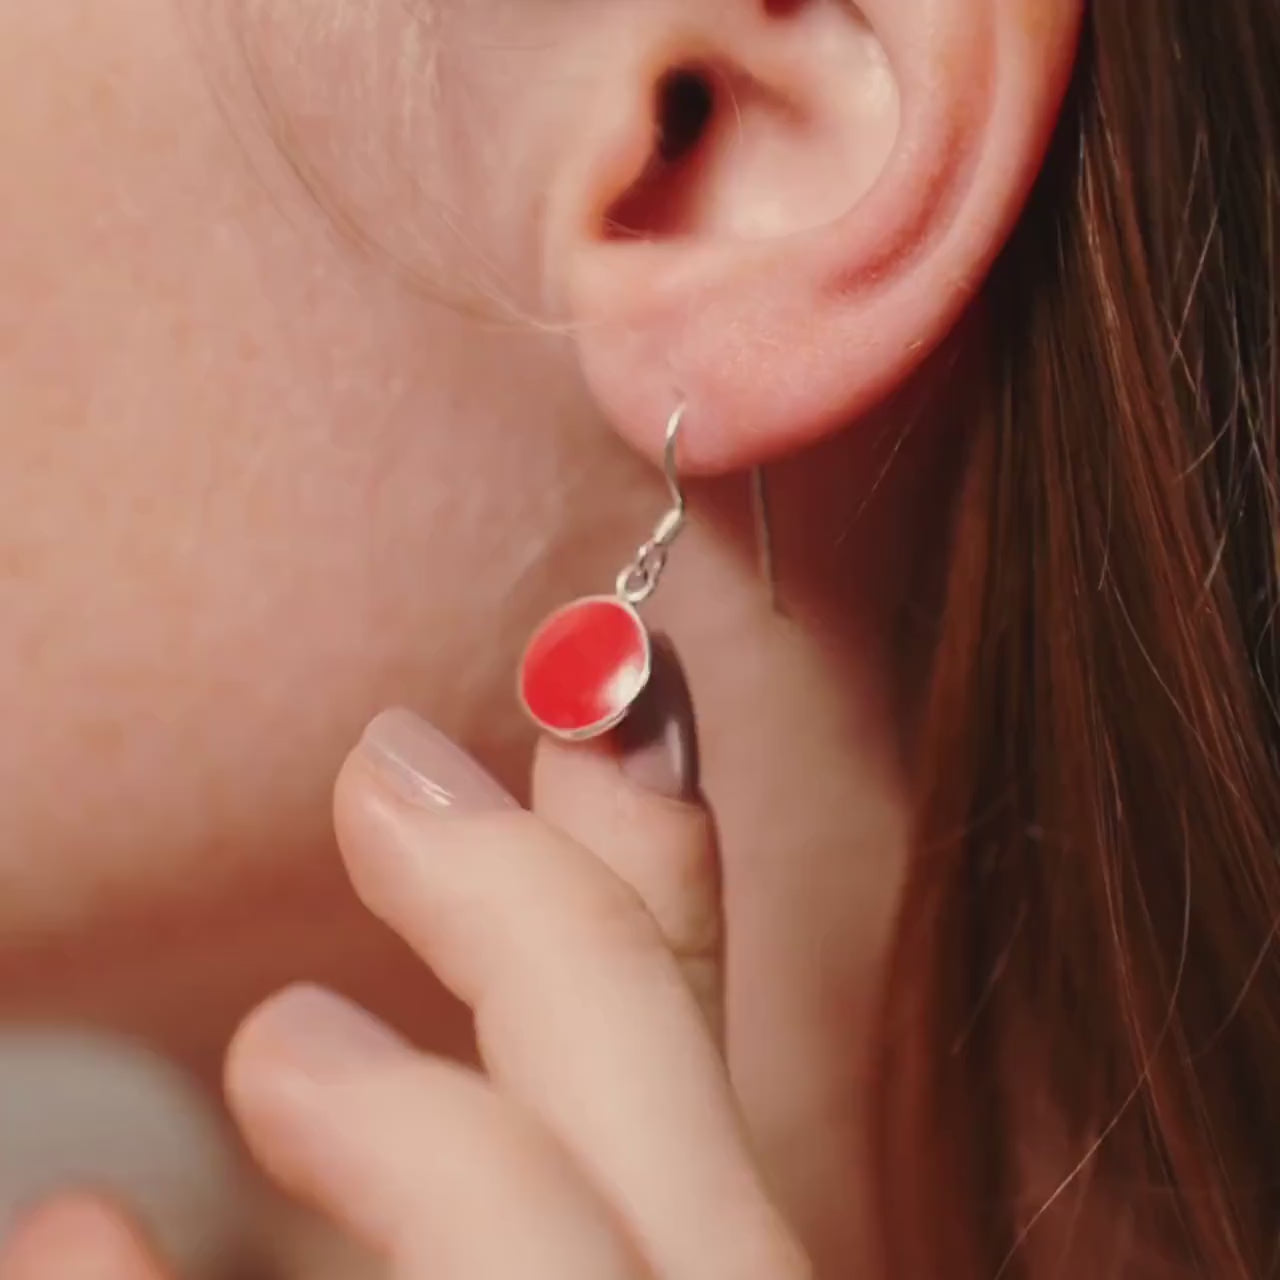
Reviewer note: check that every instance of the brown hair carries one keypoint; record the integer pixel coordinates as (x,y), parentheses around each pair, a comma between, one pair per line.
(1082,1030)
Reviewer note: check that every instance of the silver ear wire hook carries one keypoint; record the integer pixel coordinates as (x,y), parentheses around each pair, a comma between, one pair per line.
(639,580)
(671,465)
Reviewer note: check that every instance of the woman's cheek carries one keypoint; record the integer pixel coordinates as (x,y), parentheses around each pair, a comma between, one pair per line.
(255,484)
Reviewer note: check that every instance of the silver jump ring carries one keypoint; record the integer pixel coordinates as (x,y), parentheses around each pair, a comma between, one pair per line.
(638,581)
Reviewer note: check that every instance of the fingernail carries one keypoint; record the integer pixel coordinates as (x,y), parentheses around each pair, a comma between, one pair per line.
(421,765)
(658,741)
(323,1035)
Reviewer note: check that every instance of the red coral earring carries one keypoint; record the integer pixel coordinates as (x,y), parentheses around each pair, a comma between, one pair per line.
(590,660)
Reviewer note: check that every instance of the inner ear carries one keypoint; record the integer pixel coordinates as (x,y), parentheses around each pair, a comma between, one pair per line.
(686,103)
(783,135)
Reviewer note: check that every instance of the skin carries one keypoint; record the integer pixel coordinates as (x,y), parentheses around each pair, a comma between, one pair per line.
(321,380)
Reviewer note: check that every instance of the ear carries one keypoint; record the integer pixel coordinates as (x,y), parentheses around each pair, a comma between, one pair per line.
(774,210)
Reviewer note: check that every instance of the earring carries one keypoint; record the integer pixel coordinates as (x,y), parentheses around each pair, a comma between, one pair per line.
(590,660)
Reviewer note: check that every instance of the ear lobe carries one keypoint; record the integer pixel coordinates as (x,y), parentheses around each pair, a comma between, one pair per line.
(808,205)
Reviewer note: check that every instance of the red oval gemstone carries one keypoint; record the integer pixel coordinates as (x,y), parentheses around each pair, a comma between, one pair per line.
(585,666)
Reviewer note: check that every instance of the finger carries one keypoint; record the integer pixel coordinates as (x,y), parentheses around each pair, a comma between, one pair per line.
(581,1008)
(421,1160)
(78,1237)
(635,802)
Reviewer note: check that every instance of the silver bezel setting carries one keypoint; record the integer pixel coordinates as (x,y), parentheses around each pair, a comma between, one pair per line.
(600,727)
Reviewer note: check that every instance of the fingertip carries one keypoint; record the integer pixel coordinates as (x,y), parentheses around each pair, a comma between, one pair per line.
(402,755)
(293,1074)
(657,744)
(75,1235)
(261,1093)
(654,751)
(296,1046)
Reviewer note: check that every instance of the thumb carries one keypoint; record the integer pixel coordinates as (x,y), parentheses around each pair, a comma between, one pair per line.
(634,800)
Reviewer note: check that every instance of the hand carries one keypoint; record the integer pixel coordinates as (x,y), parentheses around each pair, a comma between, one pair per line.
(603,1142)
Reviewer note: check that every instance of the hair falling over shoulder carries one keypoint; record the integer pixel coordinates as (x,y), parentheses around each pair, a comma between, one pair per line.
(1082,1028)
